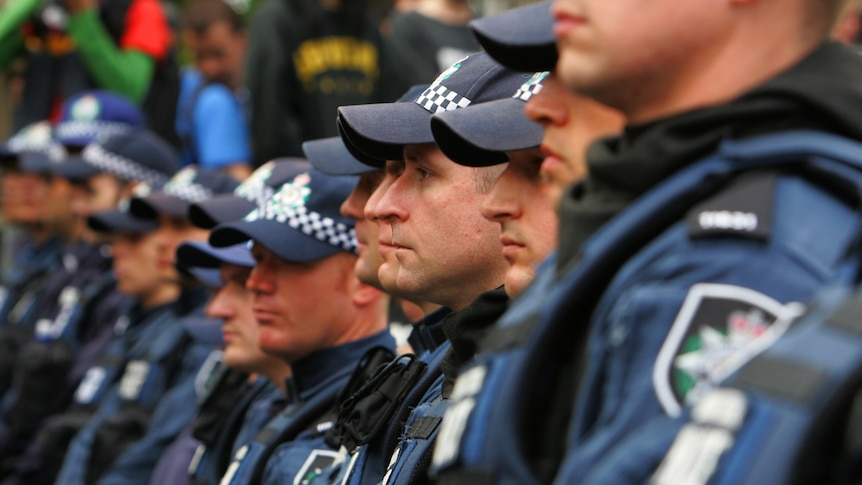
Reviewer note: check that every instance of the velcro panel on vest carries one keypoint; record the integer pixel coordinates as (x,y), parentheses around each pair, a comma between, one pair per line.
(848,317)
(423,428)
(770,375)
(744,209)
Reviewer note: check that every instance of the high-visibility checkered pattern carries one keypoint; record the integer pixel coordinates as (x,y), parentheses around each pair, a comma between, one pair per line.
(438,98)
(183,185)
(73,130)
(531,87)
(308,222)
(120,166)
(255,188)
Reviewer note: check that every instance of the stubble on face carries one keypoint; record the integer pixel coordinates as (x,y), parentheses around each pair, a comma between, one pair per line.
(447,252)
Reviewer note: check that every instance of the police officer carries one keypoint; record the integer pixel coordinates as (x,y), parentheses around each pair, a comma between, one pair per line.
(525,196)
(243,390)
(147,406)
(44,224)
(245,387)
(331,156)
(631,327)
(426,337)
(313,314)
(85,323)
(461,273)
(80,303)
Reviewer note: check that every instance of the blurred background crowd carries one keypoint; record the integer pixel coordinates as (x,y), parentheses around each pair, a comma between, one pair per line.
(230,84)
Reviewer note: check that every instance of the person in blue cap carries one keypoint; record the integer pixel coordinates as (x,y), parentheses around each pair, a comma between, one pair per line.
(139,411)
(462,271)
(675,253)
(93,113)
(313,313)
(36,204)
(331,156)
(244,391)
(247,389)
(74,319)
(250,194)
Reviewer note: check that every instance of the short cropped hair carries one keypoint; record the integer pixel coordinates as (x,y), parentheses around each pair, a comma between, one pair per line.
(200,15)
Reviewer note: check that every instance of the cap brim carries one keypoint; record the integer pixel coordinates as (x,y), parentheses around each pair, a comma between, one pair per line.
(357,154)
(381,130)
(219,210)
(331,156)
(151,206)
(285,242)
(207,331)
(120,222)
(75,169)
(521,39)
(35,162)
(480,135)
(201,254)
(207,277)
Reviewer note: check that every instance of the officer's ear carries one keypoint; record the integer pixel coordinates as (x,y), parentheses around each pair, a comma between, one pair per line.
(366,295)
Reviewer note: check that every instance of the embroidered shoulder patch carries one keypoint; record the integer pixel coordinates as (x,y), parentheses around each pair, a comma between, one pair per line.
(717,329)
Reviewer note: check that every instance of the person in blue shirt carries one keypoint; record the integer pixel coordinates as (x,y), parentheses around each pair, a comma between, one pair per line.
(211,119)
(38,204)
(462,271)
(232,413)
(313,313)
(78,303)
(655,292)
(146,407)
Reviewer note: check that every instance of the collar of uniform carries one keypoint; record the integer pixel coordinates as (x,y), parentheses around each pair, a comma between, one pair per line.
(427,333)
(316,372)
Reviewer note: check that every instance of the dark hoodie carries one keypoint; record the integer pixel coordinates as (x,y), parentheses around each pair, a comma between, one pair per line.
(821,92)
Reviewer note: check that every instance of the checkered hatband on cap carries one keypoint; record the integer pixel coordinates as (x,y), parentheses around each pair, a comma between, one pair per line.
(88,129)
(532,87)
(122,167)
(255,189)
(183,186)
(438,98)
(288,207)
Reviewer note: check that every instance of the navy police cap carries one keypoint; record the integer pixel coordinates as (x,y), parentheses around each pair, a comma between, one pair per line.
(188,186)
(381,130)
(251,193)
(521,39)
(300,223)
(480,135)
(134,155)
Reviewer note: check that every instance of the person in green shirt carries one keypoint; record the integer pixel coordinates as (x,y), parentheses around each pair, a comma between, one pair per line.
(75,45)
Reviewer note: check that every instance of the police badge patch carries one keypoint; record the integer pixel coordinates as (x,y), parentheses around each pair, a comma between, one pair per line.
(718,328)
(317,461)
